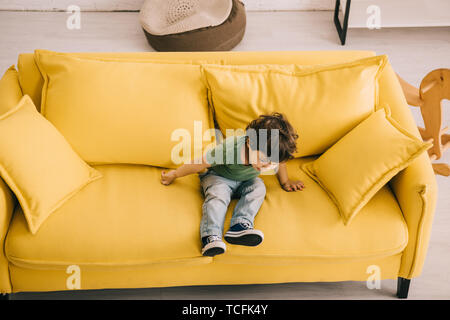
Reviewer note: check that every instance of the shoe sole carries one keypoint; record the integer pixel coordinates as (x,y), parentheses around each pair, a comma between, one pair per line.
(245,238)
(213,252)
(213,249)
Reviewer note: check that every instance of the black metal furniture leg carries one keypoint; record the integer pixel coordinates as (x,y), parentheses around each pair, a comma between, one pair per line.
(403,287)
(341,30)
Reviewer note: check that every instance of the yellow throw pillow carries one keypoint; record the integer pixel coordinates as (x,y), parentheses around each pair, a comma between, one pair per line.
(323,103)
(10,91)
(126,111)
(38,164)
(363,161)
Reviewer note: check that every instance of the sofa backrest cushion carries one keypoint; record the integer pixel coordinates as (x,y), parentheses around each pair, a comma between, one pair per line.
(123,111)
(322,103)
(32,81)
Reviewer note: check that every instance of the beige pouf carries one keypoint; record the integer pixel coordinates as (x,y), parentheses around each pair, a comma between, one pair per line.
(212,28)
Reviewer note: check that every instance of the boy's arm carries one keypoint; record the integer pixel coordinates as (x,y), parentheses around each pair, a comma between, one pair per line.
(184,170)
(285,182)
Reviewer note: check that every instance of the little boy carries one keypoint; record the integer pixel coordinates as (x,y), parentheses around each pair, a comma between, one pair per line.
(233,167)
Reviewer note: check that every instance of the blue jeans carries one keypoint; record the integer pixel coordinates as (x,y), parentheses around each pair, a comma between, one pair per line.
(218,192)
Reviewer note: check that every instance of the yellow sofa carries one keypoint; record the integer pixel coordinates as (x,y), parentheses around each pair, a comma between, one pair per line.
(126,231)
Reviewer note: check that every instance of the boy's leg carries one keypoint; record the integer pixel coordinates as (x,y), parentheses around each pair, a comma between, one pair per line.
(252,194)
(217,191)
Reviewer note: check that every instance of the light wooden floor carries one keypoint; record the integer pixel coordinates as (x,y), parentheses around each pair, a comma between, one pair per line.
(412,52)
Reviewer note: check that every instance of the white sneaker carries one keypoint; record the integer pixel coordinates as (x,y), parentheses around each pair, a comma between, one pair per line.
(212,246)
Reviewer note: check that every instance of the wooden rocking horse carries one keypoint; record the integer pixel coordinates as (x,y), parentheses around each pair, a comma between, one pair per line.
(433,89)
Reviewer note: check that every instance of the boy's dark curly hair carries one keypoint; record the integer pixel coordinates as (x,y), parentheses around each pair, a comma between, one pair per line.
(287,136)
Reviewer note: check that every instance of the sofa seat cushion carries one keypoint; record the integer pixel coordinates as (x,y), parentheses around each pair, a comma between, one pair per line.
(126,218)
(306,225)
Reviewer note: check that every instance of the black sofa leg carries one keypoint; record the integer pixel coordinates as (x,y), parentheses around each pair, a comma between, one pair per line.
(5,296)
(403,287)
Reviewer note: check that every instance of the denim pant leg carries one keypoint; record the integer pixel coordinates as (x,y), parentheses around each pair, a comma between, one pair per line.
(217,191)
(251,195)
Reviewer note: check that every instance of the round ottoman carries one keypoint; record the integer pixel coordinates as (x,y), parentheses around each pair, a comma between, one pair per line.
(222,37)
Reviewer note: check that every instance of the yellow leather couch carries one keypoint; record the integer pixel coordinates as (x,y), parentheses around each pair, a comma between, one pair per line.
(120,239)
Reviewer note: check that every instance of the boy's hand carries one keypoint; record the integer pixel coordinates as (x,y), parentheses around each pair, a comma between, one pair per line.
(293,186)
(168,177)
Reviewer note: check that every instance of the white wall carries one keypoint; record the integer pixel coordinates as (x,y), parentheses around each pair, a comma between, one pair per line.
(401,13)
(117,5)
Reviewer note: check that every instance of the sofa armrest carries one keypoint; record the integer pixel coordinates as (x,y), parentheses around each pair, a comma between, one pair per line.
(7,204)
(415,187)
(416,191)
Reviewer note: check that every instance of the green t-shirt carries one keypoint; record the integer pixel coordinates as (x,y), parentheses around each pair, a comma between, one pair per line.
(226,160)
